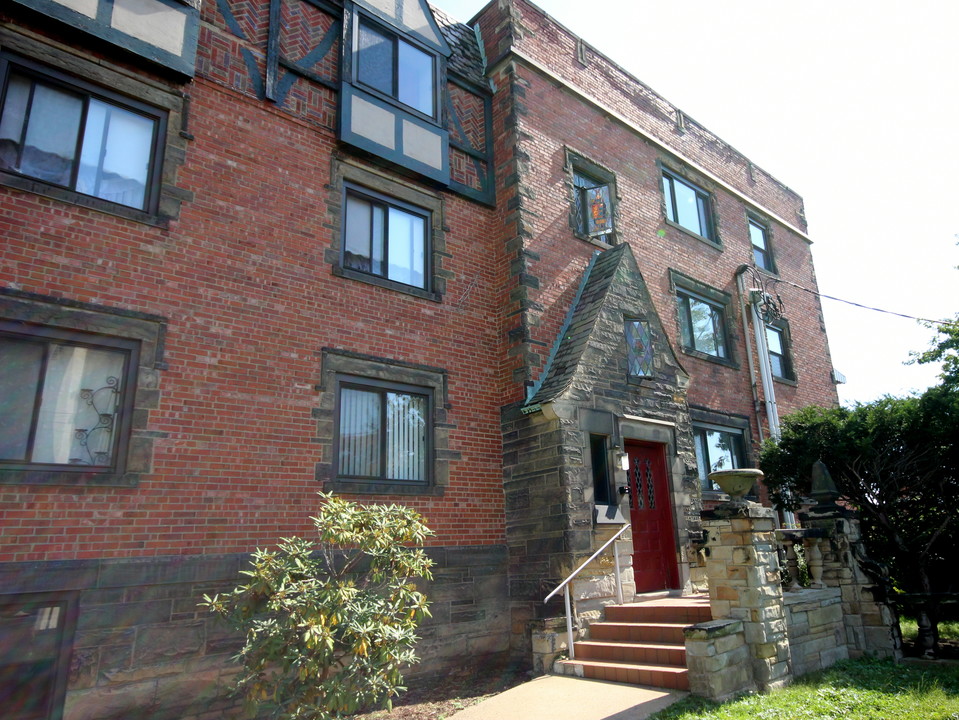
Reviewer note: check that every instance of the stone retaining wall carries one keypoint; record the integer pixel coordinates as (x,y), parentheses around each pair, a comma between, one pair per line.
(782,635)
(817,633)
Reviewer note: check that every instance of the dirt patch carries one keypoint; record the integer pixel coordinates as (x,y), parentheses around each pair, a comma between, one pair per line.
(439,698)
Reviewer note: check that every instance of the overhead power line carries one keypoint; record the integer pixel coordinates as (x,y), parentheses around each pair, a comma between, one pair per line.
(868,307)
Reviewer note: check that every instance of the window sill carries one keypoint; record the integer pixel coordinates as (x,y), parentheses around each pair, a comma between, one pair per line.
(711,358)
(351,274)
(767,272)
(362,487)
(714,244)
(72,478)
(38,187)
(601,241)
(792,382)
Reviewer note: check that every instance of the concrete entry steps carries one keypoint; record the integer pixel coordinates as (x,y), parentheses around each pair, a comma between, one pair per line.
(640,643)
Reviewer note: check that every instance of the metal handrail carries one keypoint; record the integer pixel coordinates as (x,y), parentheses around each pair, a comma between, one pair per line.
(564,586)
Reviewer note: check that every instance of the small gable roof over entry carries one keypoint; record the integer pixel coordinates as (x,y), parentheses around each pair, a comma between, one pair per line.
(591,349)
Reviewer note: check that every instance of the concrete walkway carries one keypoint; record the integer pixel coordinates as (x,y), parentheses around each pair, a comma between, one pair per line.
(560,697)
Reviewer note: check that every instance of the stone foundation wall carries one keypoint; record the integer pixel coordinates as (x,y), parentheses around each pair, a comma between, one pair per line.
(143,647)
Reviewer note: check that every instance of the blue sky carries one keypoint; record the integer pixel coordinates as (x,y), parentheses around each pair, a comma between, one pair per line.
(855,106)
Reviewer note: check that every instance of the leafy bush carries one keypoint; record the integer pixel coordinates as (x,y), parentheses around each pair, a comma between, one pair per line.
(330,623)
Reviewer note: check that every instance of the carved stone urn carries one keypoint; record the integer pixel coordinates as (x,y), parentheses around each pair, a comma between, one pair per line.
(736,483)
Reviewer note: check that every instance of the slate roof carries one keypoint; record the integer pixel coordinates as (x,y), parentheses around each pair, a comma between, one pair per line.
(562,365)
(467,58)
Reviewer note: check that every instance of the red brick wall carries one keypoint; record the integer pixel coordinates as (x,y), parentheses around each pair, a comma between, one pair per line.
(250,302)
(546,118)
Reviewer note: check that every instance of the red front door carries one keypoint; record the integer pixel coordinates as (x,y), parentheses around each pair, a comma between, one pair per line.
(650,514)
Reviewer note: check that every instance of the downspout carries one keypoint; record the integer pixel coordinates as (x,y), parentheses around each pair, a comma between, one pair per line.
(765,369)
(757,406)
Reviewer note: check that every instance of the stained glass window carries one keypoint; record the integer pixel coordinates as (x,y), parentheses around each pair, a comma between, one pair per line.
(594,216)
(639,348)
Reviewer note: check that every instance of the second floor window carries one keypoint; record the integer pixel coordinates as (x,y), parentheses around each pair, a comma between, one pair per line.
(65,133)
(386,238)
(703,325)
(396,68)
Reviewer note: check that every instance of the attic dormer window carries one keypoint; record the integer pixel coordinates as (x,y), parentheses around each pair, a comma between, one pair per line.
(396,68)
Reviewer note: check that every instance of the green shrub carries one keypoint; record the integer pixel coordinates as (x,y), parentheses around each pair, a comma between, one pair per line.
(330,623)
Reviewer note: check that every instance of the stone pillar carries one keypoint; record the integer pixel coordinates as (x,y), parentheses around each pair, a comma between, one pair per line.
(744,584)
(871,625)
(718,660)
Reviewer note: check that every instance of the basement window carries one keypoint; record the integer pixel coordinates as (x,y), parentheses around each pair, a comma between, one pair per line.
(36,633)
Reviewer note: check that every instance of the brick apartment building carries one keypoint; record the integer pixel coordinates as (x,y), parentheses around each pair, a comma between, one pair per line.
(252,249)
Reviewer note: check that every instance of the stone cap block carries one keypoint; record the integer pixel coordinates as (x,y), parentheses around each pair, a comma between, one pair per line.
(713,629)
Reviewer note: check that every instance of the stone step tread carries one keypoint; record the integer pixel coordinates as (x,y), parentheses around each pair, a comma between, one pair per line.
(663,676)
(671,669)
(631,644)
(619,623)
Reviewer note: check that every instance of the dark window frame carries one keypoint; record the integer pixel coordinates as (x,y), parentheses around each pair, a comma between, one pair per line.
(26,311)
(681,284)
(367,180)
(578,166)
(738,450)
(718,321)
(66,628)
(604,481)
(763,258)
(362,18)
(39,72)
(705,211)
(380,482)
(740,425)
(121,443)
(781,327)
(388,201)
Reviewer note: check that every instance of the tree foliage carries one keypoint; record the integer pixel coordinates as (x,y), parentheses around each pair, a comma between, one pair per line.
(944,349)
(330,623)
(894,460)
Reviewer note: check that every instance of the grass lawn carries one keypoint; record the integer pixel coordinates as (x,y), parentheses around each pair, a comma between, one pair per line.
(865,689)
